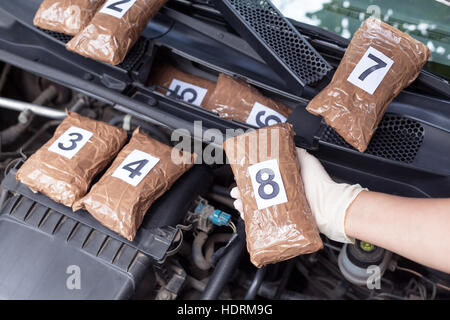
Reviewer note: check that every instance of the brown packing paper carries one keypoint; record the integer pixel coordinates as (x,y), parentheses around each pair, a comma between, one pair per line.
(164,75)
(235,99)
(285,229)
(117,203)
(355,112)
(67,180)
(66,16)
(114,29)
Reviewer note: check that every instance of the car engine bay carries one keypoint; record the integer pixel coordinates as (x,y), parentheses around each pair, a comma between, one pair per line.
(191,244)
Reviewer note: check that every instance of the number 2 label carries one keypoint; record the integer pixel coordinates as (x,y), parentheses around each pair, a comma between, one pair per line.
(117,8)
(267,184)
(70,142)
(370,70)
(135,167)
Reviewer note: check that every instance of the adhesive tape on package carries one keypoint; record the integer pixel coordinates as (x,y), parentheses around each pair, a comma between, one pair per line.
(142,171)
(66,16)
(236,100)
(114,29)
(278,220)
(63,168)
(379,62)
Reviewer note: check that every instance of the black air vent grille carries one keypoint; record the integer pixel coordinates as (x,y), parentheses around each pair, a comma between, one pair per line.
(397,138)
(58,36)
(278,42)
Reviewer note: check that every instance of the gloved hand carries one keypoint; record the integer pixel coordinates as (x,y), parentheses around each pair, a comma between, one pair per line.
(328,200)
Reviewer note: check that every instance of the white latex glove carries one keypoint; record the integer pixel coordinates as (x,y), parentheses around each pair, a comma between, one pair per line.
(328,200)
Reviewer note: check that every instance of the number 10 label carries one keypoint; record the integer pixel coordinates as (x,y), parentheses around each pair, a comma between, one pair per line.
(267,184)
(135,167)
(370,70)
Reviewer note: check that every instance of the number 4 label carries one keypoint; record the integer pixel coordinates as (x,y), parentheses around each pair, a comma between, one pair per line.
(370,70)
(135,167)
(117,8)
(267,184)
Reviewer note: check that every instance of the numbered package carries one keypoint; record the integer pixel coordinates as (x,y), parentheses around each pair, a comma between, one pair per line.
(237,100)
(175,82)
(140,174)
(379,62)
(64,167)
(66,16)
(278,220)
(114,29)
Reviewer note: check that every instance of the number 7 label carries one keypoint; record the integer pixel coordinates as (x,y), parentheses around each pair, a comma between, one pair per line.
(135,167)
(370,70)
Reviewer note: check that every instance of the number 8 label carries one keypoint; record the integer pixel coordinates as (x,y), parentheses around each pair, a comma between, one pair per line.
(370,70)
(135,167)
(267,184)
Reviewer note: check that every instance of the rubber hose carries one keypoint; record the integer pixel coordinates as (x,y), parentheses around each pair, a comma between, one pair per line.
(226,267)
(197,251)
(256,284)
(211,242)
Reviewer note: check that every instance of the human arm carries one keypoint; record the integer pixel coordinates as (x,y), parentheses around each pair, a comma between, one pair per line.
(417,229)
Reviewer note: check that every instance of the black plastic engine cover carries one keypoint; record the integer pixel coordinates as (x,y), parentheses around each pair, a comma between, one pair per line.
(43,242)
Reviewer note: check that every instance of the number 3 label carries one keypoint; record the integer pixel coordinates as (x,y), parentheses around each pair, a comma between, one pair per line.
(135,167)
(370,70)
(267,184)
(117,8)
(70,142)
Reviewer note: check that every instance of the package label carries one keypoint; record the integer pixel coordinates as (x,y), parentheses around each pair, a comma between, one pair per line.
(135,167)
(262,116)
(70,142)
(117,8)
(267,184)
(187,91)
(370,70)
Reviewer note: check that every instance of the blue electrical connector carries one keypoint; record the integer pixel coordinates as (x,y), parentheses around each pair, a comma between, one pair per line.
(220,218)
(214,216)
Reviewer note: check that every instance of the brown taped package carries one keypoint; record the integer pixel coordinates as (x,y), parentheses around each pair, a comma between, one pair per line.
(64,167)
(278,221)
(122,196)
(169,77)
(114,30)
(358,95)
(66,16)
(235,100)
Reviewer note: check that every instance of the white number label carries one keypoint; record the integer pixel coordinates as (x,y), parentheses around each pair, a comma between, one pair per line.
(187,91)
(70,142)
(135,167)
(262,116)
(370,70)
(267,184)
(117,8)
